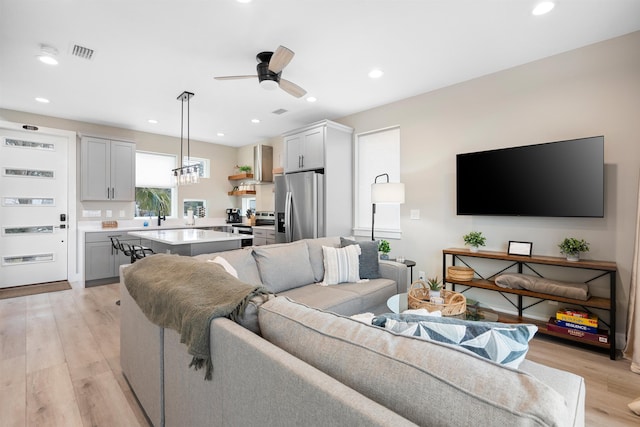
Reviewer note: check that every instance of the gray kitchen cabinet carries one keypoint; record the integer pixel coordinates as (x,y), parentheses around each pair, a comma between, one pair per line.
(101,262)
(263,236)
(313,147)
(107,169)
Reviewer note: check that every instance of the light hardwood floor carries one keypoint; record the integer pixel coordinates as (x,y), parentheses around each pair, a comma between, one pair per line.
(59,365)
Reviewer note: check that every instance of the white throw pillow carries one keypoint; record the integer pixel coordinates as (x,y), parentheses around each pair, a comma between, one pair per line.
(341,264)
(225,264)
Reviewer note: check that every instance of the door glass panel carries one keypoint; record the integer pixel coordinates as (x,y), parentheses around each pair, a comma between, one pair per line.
(26,201)
(28,173)
(28,144)
(26,259)
(28,230)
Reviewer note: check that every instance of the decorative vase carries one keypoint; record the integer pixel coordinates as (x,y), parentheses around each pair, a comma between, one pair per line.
(473,249)
(384,256)
(573,256)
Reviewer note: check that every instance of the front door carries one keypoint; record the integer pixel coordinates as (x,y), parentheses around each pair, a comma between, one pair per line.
(33,207)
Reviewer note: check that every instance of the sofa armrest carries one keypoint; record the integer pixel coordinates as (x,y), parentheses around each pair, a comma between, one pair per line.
(395,271)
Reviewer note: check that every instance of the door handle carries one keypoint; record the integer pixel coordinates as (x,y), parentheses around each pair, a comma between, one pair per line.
(288,232)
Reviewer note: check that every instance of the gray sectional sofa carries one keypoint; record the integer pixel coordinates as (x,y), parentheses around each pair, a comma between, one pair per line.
(299,360)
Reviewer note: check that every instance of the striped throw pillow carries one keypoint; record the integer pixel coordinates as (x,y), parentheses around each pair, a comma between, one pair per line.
(341,264)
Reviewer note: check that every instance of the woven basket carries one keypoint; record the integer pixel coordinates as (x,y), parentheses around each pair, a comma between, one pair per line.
(462,274)
(454,303)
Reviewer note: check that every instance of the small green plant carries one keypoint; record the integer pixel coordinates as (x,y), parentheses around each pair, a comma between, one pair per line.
(434,283)
(244,168)
(474,239)
(384,247)
(571,245)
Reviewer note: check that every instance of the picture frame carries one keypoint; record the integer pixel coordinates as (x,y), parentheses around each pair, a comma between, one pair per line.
(520,248)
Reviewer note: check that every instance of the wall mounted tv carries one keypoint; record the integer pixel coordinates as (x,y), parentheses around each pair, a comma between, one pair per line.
(556,179)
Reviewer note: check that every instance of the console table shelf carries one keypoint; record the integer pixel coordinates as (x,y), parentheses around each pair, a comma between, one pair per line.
(604,267)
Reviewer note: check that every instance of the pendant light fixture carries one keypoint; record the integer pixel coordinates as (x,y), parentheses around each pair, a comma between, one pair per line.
(185,174)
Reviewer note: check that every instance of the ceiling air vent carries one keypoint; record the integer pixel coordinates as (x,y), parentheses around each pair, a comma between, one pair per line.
(279,111)
(82,52)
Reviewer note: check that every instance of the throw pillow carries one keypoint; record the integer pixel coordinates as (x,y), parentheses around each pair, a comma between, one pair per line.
(225,264)
(284,267)
(341,264)
(503,343)
(369,267)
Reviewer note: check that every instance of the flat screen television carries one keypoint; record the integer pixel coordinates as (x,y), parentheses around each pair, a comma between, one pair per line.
(555,179)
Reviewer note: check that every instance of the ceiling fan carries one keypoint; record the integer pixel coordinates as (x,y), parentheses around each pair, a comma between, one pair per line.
(270,65)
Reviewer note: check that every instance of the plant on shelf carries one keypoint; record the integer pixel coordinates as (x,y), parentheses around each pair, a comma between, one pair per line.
(385,248)
(244,168)
(475,239)
(572,247)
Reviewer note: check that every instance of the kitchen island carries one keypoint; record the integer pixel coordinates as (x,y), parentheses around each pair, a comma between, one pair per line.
(189,242)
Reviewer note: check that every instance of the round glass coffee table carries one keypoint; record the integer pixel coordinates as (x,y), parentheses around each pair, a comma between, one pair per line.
(398,303)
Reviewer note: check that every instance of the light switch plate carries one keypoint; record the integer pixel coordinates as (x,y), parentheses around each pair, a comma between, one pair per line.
(108,213)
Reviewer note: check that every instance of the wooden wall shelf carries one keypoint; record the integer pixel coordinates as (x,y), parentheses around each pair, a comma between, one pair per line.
(241,193)
(464,256)
(240,176)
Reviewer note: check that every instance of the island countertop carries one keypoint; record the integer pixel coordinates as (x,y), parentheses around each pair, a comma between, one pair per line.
(188,236)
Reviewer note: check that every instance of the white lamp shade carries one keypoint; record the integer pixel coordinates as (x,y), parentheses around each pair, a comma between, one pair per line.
(387,192)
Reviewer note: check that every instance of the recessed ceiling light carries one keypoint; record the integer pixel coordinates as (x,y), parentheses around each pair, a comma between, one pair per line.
(255,120)
(543,7)
(243,1)
(153,121)
(312,99)
(42,100)
(376,73)
(220,134)
(47,55)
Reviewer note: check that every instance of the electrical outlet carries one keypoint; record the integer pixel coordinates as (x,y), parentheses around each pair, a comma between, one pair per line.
(422,276)
(122,213)
(109,213)
(414,213)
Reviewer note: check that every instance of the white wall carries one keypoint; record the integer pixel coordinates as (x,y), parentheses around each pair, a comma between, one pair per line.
(589,91)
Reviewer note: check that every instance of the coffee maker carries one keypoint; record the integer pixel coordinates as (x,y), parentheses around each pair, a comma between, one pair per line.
(233,216)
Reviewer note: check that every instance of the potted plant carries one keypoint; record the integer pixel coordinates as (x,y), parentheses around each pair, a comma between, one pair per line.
(474,239)
(572,247)
(434,287)
(244,169)
(385,248)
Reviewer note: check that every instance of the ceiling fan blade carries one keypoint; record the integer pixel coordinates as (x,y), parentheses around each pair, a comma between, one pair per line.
(292,88)
(280,58)
(235,77)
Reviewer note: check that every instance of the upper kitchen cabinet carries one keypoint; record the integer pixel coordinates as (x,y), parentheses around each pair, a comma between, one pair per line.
(107,169)
(314,146)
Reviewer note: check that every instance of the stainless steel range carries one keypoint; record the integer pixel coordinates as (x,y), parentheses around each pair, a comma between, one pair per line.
(265,218)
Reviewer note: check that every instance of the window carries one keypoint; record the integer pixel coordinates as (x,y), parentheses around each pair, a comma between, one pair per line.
(203,165)
(376,152)
(155,186)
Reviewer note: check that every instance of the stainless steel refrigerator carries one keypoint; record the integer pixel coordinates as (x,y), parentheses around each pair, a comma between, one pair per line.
(300,206)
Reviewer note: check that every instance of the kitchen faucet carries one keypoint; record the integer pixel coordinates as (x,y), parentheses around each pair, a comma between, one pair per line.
(161,217)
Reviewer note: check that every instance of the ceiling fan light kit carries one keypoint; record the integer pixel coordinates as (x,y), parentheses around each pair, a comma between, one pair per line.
(269,72)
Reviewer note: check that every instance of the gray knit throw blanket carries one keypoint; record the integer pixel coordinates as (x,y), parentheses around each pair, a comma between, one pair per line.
(185,294)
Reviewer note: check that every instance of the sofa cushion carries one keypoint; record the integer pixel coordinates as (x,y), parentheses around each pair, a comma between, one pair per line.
(332,298)
(502,343)
(226,265)
(285,266)
(341,265)
(404,373)
(369,265)
(315,254)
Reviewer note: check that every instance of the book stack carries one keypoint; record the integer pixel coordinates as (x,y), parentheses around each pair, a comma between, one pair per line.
(578,324)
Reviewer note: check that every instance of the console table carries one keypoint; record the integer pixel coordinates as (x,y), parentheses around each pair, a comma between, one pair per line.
(603,268)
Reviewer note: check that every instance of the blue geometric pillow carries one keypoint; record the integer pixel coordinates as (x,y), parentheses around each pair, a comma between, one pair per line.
(503,343)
